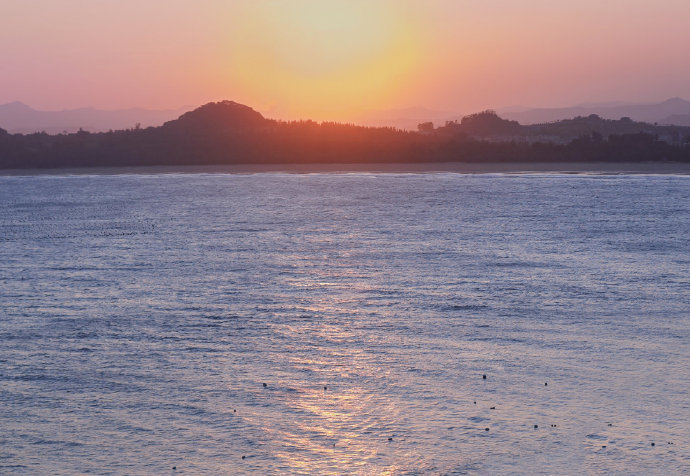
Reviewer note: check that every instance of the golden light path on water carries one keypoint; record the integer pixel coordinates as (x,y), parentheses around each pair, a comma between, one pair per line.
(332,427)
(339,427)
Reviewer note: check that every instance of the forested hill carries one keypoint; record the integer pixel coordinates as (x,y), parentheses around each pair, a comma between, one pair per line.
(230,133)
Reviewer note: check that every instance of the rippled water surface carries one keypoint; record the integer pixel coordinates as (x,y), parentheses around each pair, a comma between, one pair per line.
(142,315)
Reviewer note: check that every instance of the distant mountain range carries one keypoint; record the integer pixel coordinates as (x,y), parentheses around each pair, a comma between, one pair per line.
(17,117)
(406,119)
(674,111)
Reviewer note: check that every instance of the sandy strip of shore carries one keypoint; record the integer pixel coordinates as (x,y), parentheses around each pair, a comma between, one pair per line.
(603,168)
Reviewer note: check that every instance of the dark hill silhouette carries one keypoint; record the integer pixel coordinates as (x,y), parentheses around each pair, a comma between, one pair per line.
(225,115)
(230,133)
(483,125)
(488,123)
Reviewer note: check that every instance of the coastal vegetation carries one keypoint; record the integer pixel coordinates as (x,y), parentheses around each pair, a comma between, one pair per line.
(230,133)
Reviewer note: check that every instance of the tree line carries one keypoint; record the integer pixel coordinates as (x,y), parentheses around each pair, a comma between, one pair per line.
(229,133)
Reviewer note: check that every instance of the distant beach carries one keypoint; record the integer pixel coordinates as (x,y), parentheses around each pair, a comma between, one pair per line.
(604,168)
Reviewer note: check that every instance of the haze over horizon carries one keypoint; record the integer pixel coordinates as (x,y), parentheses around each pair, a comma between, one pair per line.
(339,60)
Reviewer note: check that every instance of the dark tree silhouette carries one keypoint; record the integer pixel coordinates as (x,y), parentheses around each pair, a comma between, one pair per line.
(230,133)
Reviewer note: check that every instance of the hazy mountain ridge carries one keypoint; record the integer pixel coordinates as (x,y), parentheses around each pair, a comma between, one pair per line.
(674,111)
(407,118)
(666,113)
(678,120)
(17,117)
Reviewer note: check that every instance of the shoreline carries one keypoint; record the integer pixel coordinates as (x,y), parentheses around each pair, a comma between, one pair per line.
(576,168)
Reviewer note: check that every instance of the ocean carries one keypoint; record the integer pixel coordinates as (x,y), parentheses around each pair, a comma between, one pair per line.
(355,323)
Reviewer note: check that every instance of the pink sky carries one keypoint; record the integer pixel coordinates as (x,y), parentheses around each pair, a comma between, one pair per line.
(334,59)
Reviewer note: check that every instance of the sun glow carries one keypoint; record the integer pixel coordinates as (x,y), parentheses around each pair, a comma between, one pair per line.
(323,58)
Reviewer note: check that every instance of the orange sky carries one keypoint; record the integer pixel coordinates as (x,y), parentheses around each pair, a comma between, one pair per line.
(335,59)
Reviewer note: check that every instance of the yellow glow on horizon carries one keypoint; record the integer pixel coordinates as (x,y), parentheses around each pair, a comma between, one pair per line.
(321,58)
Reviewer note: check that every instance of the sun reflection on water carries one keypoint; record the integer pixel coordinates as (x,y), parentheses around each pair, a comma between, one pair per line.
(345,419)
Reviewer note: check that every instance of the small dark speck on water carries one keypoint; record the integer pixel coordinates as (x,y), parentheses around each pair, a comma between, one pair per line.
(475,402)
(536,426)
(603,446)
(390,438)
(653,444)
(546,384)
(174,467)
(325,387)
(265,384)
(492,408)
(243,456)
(486,429)
(484,376)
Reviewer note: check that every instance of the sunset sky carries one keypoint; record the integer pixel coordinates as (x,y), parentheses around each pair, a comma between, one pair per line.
(335,59)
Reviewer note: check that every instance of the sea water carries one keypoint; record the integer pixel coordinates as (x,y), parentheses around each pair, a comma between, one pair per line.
(344,323)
